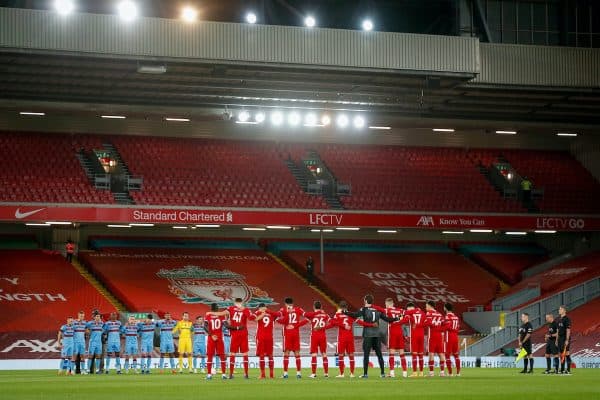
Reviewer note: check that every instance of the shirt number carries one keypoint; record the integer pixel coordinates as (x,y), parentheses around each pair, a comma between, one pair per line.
(215,324)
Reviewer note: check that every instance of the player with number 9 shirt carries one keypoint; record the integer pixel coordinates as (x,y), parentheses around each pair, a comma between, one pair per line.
(265,319)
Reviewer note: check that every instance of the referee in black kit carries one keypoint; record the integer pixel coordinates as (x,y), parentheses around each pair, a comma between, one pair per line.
(564,340)
(371,334)
(551,345)
(525,332)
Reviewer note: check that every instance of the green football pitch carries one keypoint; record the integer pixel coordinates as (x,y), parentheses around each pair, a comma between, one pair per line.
(474,383)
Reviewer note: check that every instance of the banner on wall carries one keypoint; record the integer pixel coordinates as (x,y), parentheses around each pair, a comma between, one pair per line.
(161,215)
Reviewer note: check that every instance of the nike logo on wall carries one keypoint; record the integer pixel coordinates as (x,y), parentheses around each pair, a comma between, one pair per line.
(20,215)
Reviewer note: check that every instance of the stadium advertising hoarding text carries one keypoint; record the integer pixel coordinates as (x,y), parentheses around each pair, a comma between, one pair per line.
(158,215)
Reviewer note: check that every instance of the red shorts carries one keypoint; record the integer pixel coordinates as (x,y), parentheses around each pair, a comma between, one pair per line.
(417,344)
(345,344)
(239,342)
(291,341)
(452,345)
(318,343)
(214,347)
(435,345)
(396,341)
(264,346)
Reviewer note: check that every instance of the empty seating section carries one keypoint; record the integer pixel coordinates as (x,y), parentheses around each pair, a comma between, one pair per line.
(213,173)
(563,276)
(42,167)
(405,276)
(40,290)
(508,266)
(205,276)
(413,178)
(568,186)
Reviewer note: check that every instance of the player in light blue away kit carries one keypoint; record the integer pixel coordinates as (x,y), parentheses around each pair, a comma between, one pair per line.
(146,329)
(113,343)
(65,341)
(131,331)
(96,328)
(80,326)
(167,348)
(199,343)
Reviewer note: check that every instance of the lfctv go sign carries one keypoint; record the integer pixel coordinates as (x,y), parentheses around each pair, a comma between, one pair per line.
(560,223)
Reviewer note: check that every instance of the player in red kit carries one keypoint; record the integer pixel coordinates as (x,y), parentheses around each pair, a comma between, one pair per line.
(452,325)
(291,319)
(264,338)
(395,336)
(238,327)
(318,339)
(215,345)
(345,340)
(415,317)
(434,321)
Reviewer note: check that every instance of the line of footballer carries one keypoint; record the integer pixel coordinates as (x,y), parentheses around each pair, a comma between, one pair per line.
(205,339)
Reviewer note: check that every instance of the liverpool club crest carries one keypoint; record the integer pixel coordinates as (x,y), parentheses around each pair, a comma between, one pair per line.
(193,284)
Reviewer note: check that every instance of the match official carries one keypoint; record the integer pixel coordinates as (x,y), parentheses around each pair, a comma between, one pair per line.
(564,340)
(525,332)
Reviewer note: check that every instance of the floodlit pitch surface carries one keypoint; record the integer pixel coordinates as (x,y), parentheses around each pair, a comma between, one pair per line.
(473,384)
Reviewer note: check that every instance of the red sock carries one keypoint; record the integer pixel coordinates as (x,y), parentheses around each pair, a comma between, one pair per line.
(286,363)
(352,364)
(326,365)
(442,365)
(457,363)
(223,367)
(261,364)
(246,364)
(231,364)
(431,364)
(209,365)
(415,363)
(421,362)
(403,362)
(392,363)
(449,364)
(298,363)
(341,364)
(313,364)
(271,366)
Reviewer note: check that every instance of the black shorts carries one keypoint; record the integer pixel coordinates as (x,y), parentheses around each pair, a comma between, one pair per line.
(551,348)
(561,344)
(527,347)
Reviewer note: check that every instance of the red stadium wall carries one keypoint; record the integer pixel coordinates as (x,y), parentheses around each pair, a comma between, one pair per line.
(38,291)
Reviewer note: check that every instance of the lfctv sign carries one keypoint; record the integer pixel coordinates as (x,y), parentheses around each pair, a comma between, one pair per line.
(326,219)
(560,223)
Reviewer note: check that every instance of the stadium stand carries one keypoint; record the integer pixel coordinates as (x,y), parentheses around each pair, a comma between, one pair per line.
(38,167)
(562,276)
(408,273)
(395,178)
(505,261)
(40,289)
(213,173)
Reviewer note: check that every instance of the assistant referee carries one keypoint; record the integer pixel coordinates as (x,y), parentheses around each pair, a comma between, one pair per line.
(525,332)
(371,334)
(564,340)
